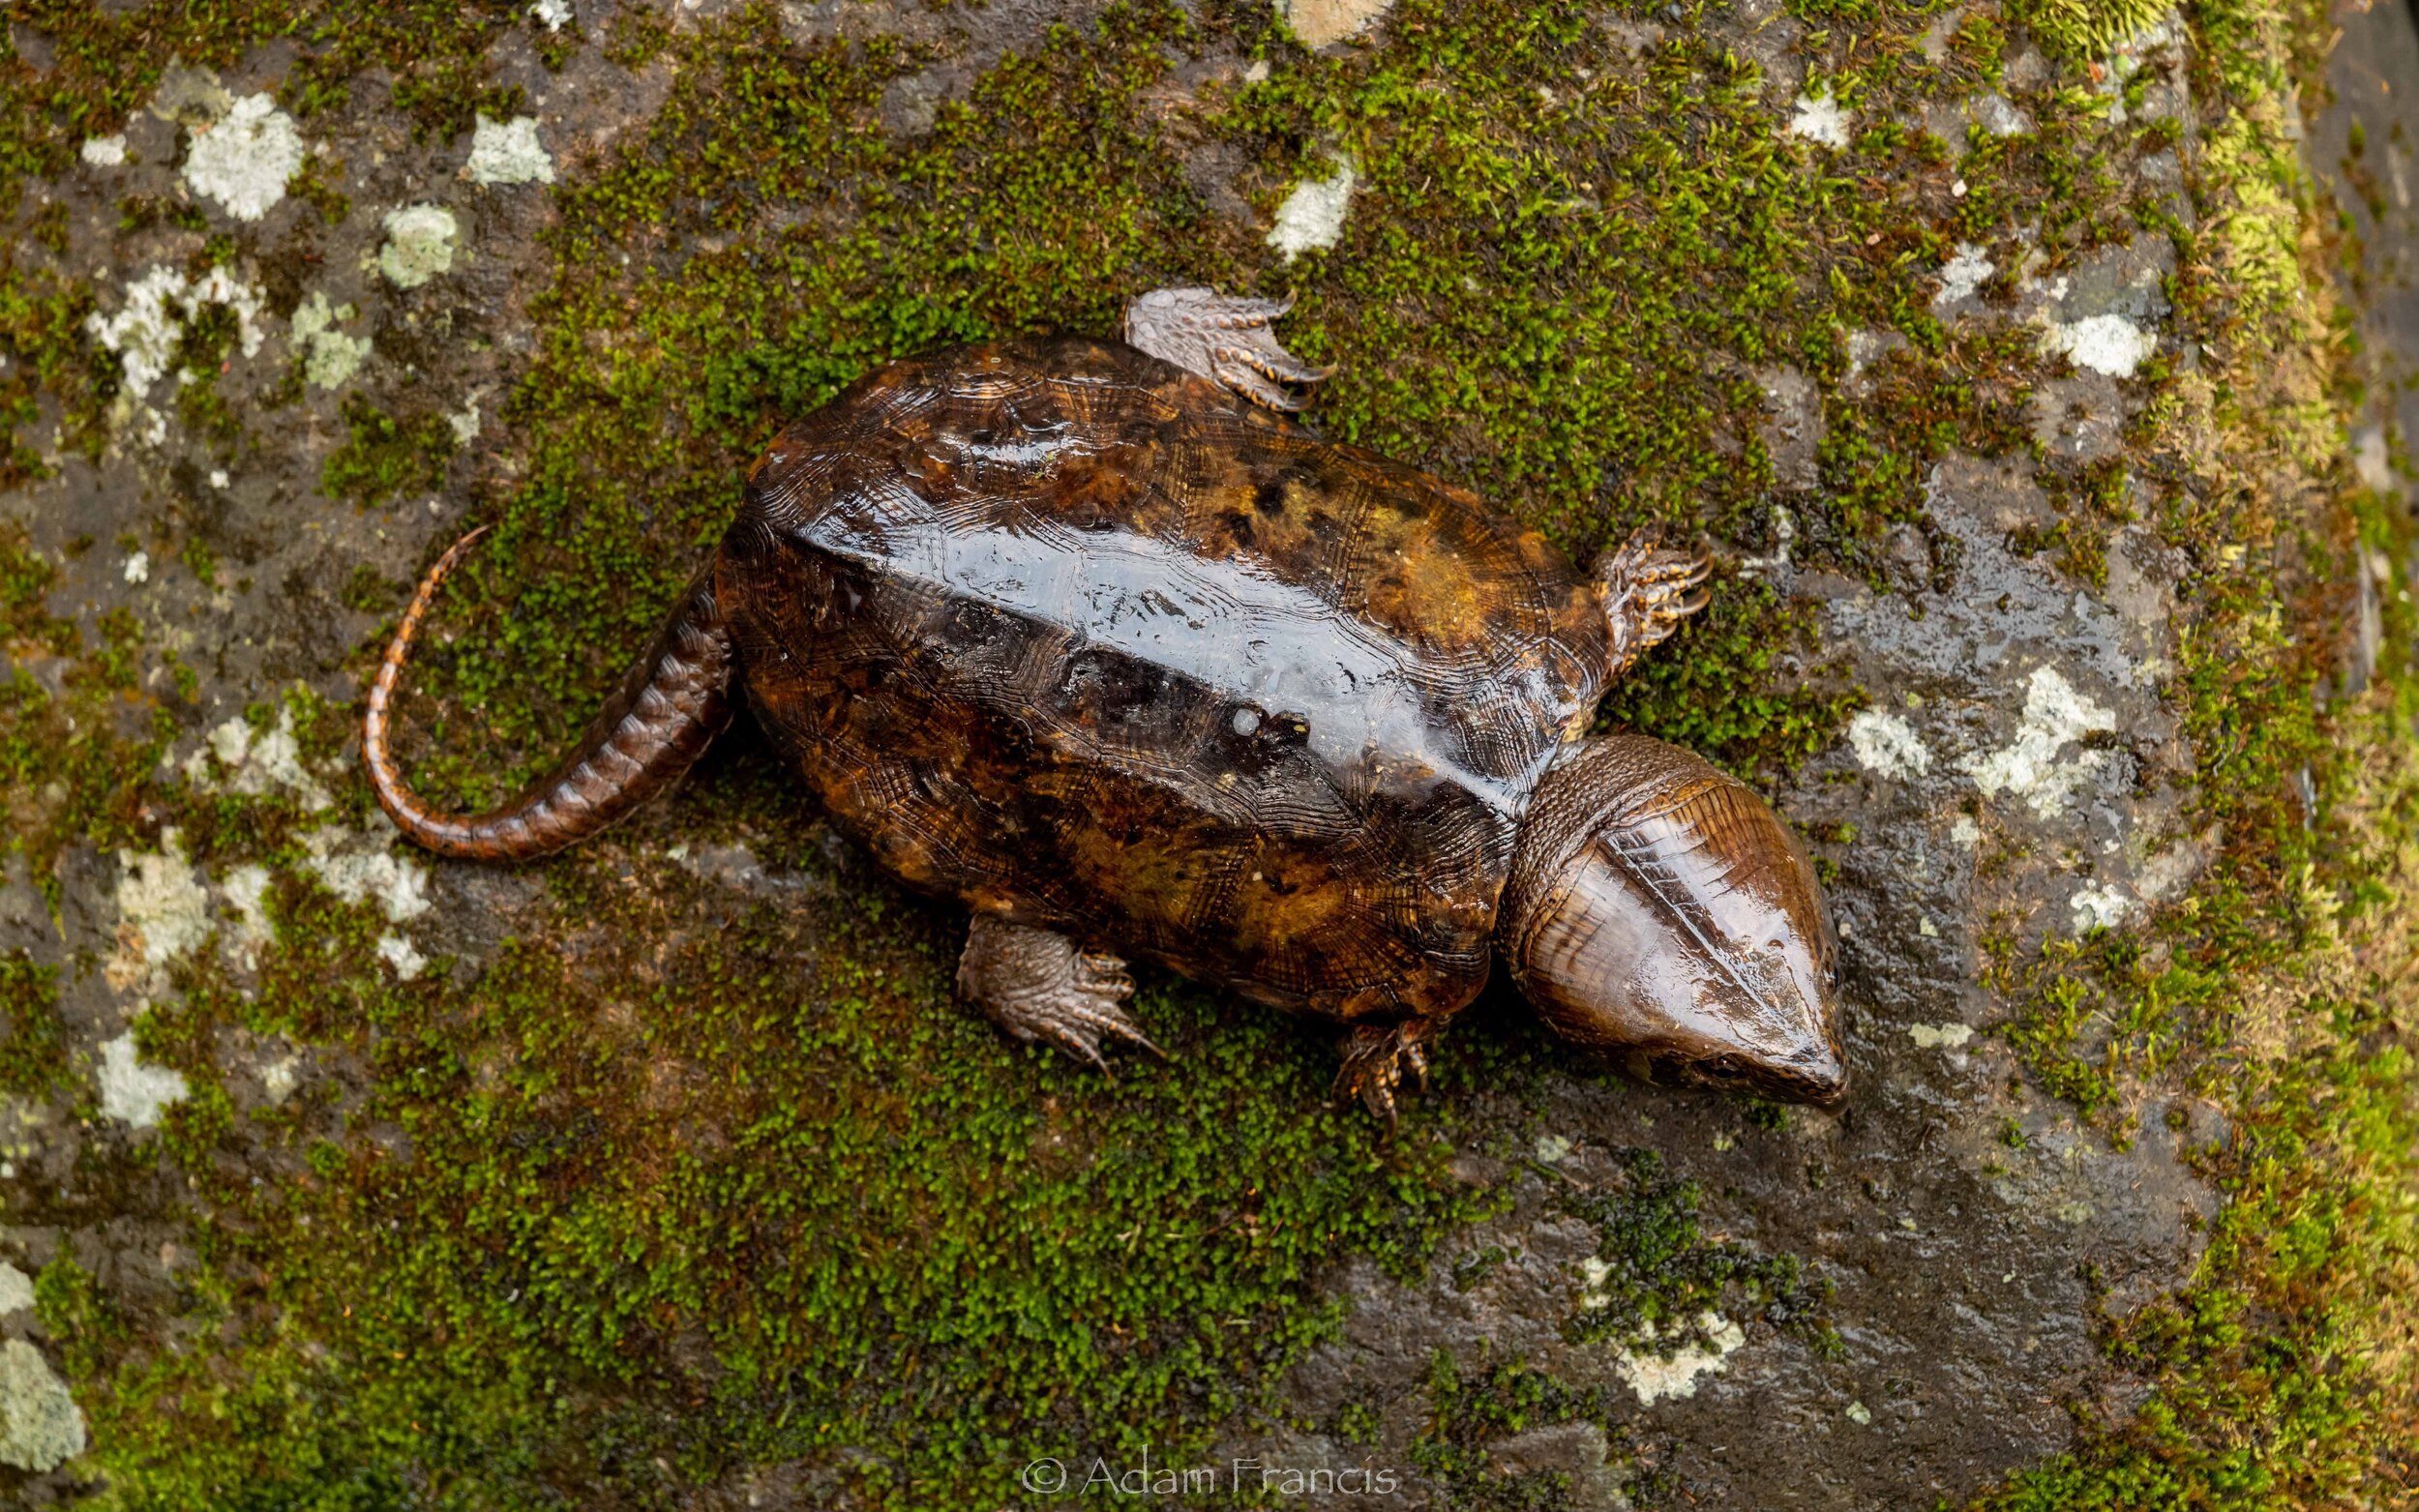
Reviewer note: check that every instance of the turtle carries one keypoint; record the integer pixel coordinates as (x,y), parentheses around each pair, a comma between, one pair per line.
(1097,639)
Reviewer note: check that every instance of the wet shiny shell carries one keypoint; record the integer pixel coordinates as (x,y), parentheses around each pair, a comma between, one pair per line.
(1076,637)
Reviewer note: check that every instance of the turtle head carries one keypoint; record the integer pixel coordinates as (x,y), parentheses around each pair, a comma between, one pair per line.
(1657,909)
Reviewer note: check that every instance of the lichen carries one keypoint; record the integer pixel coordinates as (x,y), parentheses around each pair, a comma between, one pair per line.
(40,1425)
(329,356)
(419,244)
(244,161)
(508,151)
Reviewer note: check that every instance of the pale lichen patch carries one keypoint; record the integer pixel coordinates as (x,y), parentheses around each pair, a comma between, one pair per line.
(1820,118)
(258,763)
(1654,1378)
(2055,716)
(419,244)
(103,152)
(1312,217)
(131,1092)
(2100,906)
(1962,273)
(279,1078)
(163,914)
(358,868)
(1593,1273)
(464,422)
(190,97)
(1940,1036)
(1887,744)
(244,161)
(1321,23)
(1996,115)
(40,1427)
(329,356)
(245,890)
(144,332)
(399,953)
(16,1289)
(2108,344)
(507,152)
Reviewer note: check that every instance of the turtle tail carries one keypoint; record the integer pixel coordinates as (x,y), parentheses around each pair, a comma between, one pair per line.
(669,709)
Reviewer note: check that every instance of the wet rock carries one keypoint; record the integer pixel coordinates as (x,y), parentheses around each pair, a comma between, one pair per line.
(2009,767)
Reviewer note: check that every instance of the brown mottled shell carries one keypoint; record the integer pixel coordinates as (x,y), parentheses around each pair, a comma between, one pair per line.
(1074,636)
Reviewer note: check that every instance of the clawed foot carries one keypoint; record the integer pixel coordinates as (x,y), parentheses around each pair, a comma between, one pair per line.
(1038,986)
(1227,340)
(1374,1058)
(1648,591)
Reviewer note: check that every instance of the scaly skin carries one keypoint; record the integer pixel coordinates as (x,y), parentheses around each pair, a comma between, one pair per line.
(669,707)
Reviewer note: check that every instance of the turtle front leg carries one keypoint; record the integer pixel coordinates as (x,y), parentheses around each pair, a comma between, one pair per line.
(1374,1058)
(1038,986)
(1226,340)
(1648,591)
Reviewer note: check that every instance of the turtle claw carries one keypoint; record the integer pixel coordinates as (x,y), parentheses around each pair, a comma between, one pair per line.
(1648,591)
(1227,340)
(1374,1058)
(1040,987)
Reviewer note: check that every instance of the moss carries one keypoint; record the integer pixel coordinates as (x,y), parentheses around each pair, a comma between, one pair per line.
(862,1203)
(46,352)
(315,184)
(2273,1389)
(1468,1409)
(74,765)
(2085,29)
(1661,1271)
(33,1058)
(201,357)
(105,63)
(2281,986)
(385,455)
(77,1312)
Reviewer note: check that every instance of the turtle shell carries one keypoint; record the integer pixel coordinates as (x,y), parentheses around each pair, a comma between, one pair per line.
(1081,639)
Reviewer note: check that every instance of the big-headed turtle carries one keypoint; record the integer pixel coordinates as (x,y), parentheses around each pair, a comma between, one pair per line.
(1079,634)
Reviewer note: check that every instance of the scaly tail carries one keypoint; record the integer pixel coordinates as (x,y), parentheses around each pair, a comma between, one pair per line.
(671,706)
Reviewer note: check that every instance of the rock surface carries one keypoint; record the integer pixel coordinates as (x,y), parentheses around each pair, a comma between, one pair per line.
(666,1173)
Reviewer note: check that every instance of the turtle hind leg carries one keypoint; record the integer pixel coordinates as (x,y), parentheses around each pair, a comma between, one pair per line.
(1226,340)
(1374,1058)
(1648,591)
(1038,986)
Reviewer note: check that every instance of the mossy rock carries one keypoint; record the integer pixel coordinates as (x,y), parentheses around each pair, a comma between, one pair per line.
(2000,358)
